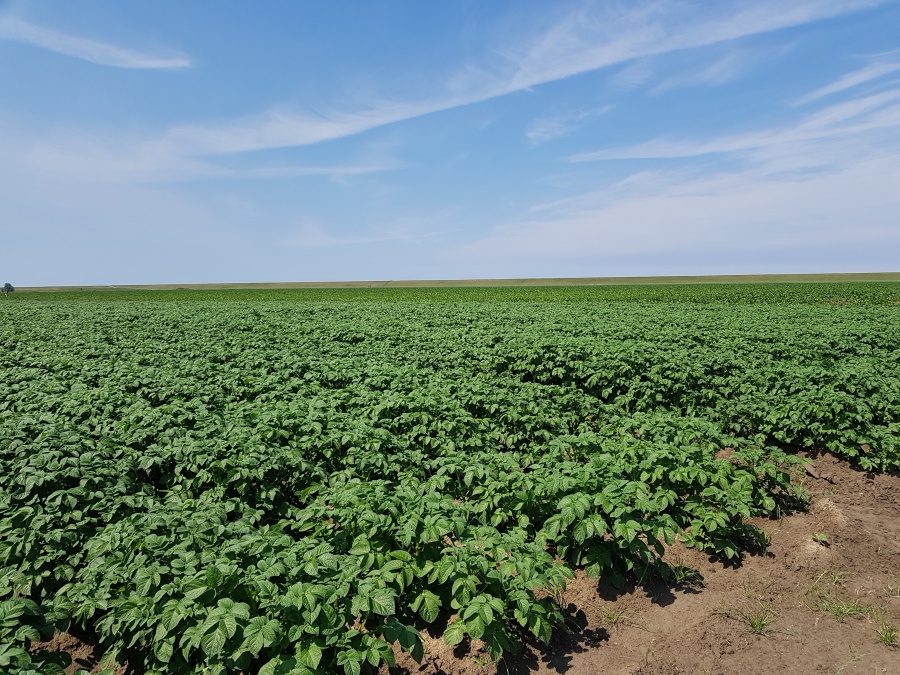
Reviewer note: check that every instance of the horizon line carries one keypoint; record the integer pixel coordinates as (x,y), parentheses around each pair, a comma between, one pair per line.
(487,282)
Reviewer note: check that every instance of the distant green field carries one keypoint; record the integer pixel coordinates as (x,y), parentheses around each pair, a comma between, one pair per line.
(291,480)
(462,283)
(829,293)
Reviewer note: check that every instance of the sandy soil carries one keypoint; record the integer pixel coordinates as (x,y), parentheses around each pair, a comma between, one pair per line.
(795,592)
(83,654)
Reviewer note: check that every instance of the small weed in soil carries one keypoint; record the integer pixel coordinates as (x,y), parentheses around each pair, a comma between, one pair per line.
(887,634)
(757,620)
(841,609)
(834,577)
(854,658)
(758,588)
(613,617)
(821,538)
(762,540)
(684,575)
(481,663)
(892,591)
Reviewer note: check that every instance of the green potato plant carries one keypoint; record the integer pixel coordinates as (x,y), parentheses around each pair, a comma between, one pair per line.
(299,484)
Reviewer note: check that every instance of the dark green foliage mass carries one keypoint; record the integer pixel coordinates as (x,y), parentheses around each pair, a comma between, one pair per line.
(281,485)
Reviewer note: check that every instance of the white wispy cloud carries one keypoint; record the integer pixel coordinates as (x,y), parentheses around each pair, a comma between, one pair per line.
(102,53)
(591,37)
(719,72)
(839,120)
(110,158)
(335,171)
(819,189)
(600,35)
(871,72)
(547,128)
(311,234)
(726,68)
(662,219)
(635,73)
(280,128)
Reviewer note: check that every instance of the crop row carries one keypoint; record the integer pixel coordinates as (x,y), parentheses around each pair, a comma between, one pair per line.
(301,488)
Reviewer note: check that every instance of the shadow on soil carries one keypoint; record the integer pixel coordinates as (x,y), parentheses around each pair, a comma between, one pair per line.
(577,637)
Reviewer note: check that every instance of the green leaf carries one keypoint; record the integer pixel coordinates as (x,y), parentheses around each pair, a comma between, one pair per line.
(260,633)
(455,632)
(270,667)
(172,614)
(196,590)
(382,600)
(475,627)
(579,532)
(309,655)
(230,624)
(417,650)
(408,637)
(351,660)
(12,654)
(240,610)
(428,605)
(163,649)
(361,546)
(213,641)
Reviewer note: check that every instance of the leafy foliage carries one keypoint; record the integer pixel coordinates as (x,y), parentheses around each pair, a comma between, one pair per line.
(293,487)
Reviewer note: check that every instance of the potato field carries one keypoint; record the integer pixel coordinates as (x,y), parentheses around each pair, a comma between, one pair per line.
(299,482)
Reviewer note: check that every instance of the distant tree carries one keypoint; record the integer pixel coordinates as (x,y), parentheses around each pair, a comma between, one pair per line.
(7,289)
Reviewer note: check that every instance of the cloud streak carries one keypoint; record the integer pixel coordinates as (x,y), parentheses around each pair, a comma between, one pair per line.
(871,72)
(101,53)
(853,117)
(587,39)
(120,159)
(822,186)
(278,129)
(602,35)
(311,235)
(669,219)
(335,171)
(547,128)
(593,37)
(727,68)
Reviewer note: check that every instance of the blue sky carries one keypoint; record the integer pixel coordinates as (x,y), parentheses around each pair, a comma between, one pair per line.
(225,141)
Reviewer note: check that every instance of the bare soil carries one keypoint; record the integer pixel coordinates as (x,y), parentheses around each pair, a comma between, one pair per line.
(812,602)
(82,652)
